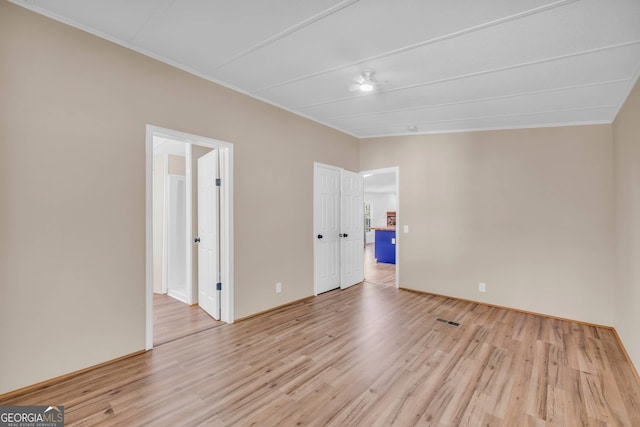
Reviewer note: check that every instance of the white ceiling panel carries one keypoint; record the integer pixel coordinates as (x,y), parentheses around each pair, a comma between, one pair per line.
(595,68)
(532,120)
(513,44)
(575,98)
(119,19)
(172,33)
(441,65)
(363,31)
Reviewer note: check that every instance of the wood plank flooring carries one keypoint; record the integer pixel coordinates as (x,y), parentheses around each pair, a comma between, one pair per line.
(173,319)
(377,272)
(369,355)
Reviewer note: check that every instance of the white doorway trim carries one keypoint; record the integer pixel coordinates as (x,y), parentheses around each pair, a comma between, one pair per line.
(189,225)
(226,220)
(396,170)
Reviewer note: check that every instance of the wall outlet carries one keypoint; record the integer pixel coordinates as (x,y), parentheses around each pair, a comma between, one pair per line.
(482,287)
(278,287)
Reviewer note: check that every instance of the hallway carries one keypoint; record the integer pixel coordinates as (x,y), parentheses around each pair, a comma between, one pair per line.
(378,273)
(173,319)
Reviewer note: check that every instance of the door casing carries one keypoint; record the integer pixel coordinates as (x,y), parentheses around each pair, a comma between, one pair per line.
(225,150)
(399,232)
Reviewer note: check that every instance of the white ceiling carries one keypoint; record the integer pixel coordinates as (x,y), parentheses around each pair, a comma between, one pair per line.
(384,182)
(443,65)
(168,146)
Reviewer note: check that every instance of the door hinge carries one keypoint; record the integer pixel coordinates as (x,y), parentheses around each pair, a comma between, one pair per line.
(218,182)
(218,286)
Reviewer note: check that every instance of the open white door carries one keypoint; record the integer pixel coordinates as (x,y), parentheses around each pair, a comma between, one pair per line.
(208,271)
(352,229)
(326,228)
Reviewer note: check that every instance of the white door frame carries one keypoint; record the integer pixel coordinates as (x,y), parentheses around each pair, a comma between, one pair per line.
(226,220)
(165,214)
(396,170)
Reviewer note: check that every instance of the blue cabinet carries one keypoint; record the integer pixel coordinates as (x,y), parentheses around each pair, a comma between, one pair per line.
(386,246)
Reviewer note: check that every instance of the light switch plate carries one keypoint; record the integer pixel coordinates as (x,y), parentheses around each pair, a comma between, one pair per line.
(405,228)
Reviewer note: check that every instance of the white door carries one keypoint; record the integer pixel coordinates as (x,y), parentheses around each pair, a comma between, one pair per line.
(326,228)
(208,295)
(352,229)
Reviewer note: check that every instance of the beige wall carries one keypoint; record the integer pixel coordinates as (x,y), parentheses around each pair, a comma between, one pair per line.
(176,165)
(528,212)
(626,134)
(73,112)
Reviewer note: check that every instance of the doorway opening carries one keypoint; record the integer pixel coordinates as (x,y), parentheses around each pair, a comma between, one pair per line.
(381,210)
(169,219)
(173,270)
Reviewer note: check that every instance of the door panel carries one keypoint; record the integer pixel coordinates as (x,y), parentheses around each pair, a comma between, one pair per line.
(352,229)
(208,296)
(326,228)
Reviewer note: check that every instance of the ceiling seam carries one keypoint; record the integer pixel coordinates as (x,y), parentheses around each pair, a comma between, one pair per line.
(479,73)
(158,10)
(455,34)
(533,113)
(470,101)
(285,33)
(465,130)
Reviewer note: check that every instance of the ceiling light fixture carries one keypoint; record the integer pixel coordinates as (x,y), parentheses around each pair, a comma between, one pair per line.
(365,82)
(366,87)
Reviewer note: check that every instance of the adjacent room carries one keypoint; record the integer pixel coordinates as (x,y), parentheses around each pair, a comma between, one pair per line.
(380,212)
(416,213)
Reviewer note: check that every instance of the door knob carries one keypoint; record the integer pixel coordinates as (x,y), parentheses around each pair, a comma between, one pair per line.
(197,240)
(346,235)
(319,236)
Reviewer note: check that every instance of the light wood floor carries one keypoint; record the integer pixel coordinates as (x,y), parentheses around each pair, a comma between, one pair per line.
(173,319)
(377,272)
(369,355)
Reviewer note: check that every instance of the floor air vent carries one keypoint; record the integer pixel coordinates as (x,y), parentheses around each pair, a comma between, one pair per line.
(448,322)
